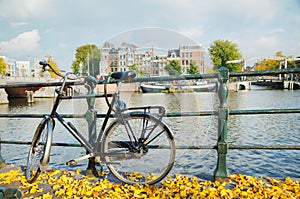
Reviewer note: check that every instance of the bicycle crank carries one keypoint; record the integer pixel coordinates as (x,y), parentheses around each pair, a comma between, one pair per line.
(75,161)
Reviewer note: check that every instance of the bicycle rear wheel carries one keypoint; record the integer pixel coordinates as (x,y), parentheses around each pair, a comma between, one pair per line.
(39,153)
(139,149)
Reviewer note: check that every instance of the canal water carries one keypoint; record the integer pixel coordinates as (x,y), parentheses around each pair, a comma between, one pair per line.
(271,129)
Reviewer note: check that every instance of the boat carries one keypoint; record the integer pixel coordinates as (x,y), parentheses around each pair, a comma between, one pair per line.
(171,88)
(153,88)
(19,92)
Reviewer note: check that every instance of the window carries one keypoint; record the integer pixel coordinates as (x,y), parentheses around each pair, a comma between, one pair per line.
(191,54)
(187,62)
(182,62)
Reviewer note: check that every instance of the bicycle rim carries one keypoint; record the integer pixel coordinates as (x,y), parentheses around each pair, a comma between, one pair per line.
(37,151)
(147,166)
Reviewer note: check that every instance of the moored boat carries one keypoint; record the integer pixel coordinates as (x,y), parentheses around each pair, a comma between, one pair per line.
(152,88)
(170,88)
(19,92)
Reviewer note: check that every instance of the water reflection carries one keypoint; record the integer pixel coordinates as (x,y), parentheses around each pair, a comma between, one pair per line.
(242,130)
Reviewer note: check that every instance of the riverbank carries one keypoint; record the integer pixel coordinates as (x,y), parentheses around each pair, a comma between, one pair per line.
(74,184)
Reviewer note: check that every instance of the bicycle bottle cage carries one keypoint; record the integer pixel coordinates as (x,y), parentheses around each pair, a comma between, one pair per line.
(124,76)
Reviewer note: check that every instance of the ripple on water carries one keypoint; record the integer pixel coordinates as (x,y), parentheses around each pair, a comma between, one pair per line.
(242,130)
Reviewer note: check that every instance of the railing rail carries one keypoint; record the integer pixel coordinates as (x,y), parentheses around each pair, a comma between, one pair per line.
(222,146)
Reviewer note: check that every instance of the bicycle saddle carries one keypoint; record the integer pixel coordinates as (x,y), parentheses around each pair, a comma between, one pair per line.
(124,76)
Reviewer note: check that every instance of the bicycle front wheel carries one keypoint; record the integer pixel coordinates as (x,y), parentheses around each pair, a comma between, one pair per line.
(139,149)
(39,153)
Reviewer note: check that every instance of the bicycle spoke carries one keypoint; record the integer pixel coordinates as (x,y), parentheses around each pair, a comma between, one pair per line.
(144,161)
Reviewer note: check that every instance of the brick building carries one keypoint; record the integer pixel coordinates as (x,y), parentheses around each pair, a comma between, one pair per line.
(149,61)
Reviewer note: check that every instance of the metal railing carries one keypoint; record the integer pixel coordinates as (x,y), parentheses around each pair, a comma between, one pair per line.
(222,146)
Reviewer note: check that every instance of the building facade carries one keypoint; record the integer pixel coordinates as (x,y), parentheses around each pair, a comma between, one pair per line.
(191,53)
(17,68)
(147,61)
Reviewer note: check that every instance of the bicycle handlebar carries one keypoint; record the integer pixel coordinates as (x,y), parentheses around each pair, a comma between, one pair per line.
(90,82)
(45,64)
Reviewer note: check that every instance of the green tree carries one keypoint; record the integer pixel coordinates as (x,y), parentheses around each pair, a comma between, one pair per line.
(274,63)
(267,64)
(87,57)
(140,73)
(3,66)
(193,68)
(222,51)
(173,67)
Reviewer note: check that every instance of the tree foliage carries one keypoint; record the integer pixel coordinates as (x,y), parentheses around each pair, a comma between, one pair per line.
(87,60)
(3,66)
(140,73)
(222,51)
(173,67)
(274,63)
(193,68)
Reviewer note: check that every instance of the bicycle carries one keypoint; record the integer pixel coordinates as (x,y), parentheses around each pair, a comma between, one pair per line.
(137,147)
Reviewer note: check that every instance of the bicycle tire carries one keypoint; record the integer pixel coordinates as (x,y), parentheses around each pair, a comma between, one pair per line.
(148,165)
(39,153)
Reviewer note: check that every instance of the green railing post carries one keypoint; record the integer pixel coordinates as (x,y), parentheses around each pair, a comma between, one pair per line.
(2,161)
(221,169)
(91,117)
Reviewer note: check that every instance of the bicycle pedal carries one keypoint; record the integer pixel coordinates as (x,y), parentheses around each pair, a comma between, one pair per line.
(71,163)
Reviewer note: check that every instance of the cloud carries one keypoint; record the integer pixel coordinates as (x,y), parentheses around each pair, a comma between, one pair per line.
(24,8)
(18,24)
(258,27)
(22,45)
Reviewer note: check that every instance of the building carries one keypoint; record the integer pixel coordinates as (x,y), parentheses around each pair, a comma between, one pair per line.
(191,53)
(149,62)
(116,58)
(17,68)
(187,54)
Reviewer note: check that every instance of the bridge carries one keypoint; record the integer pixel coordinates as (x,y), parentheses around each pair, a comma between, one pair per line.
(264,82)
(282,81)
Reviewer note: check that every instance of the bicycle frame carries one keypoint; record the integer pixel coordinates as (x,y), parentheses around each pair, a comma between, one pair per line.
(91,148)
(129,145)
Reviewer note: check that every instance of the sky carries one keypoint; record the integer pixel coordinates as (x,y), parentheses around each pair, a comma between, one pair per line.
(36,28)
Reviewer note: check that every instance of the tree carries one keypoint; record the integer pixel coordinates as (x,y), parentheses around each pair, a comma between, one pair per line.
(274,63)
(222,51)
(193,68)
(87,60)
(141,73)
(173,67)
(3,66)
